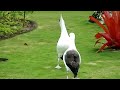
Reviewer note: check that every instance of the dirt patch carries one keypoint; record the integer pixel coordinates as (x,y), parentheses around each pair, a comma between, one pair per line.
(29,26)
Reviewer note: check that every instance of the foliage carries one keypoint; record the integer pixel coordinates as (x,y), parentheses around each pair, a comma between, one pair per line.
(12,21)
(111,31)
(38,59)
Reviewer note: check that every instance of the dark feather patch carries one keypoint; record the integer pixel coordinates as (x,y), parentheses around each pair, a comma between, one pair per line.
(61,57)
(72,60)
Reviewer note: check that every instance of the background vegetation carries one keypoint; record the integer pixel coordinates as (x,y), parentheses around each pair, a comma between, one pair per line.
(37,59)
(12,21)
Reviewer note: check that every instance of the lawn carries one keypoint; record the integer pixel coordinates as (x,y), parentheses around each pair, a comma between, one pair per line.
(38,59)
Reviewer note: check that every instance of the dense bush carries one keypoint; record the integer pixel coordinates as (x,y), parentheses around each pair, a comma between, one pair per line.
(12,21)
(111,30)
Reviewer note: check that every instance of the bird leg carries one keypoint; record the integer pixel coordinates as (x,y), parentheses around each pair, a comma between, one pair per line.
(67,75)
(58,66)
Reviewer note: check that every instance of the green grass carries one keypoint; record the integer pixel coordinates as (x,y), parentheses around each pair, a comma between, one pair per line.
(39,58)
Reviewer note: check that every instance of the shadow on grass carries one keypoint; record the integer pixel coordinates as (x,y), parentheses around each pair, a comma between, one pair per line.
(3,59)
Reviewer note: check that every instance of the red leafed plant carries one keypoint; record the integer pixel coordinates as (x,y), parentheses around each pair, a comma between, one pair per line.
(111,30)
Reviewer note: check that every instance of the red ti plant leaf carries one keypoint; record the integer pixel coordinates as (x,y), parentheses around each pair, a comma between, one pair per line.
(110,21)
(104,45)
(102,26)
(98,35)
(111,31)
(104,35)
(97,42)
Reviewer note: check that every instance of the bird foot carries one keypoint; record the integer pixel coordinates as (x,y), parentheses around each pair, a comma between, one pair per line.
(76,78)
(57,67)
(67,77)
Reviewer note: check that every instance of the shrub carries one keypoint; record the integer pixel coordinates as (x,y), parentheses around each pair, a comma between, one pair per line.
(111,30)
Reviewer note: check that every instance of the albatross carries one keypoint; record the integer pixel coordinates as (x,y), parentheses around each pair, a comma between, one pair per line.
(72,58)
(63,42)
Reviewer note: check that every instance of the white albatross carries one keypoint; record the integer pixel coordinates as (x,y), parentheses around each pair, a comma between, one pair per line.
(63,42)
(72,58)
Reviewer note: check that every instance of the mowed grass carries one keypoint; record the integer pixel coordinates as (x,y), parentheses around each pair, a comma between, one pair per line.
(39,58)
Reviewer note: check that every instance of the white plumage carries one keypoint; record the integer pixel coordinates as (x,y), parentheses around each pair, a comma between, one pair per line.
(71,57)
(67,50)
(63,42)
